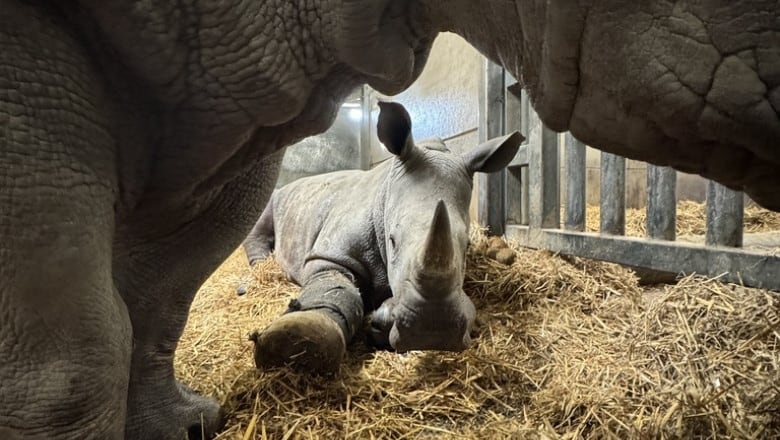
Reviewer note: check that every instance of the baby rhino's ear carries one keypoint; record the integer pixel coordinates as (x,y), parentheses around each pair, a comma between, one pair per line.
(494,154)
(394,128)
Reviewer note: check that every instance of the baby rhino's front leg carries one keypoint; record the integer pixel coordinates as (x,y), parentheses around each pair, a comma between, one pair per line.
(312,335)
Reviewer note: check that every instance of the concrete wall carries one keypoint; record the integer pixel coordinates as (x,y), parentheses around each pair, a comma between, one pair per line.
(336,149)
(443,102)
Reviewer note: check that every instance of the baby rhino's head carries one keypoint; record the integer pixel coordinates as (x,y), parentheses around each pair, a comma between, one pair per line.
(426,230)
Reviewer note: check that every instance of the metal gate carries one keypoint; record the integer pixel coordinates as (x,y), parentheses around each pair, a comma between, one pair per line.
(523,201)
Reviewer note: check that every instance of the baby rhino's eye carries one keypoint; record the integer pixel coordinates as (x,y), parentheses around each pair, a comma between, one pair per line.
(392,243)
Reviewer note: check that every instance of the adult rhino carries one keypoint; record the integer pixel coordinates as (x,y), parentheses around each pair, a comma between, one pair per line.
(140,140)
(390,241)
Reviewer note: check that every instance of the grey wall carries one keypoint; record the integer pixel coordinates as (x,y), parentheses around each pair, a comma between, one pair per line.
(443,102)
(336,149)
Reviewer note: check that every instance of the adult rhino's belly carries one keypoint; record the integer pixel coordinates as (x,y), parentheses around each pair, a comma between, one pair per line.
(695,92)
(657,139)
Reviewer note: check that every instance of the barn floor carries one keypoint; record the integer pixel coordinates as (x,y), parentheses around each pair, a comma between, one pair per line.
(568,348)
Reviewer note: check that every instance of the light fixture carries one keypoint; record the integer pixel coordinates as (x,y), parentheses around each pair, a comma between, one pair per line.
(355,114)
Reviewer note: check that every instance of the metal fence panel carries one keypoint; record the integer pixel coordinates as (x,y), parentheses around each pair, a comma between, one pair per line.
(524,202)
(729,264)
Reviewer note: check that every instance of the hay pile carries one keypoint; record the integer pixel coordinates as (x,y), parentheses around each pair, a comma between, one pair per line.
(568,348)
(691,219)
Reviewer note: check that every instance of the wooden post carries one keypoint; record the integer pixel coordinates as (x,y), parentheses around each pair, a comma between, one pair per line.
(491,186)
(574,213)
(613,194)
(543,177)
(725,214)
(661,202)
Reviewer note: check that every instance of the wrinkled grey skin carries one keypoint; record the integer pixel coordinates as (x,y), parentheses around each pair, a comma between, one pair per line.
(138,143)
(139,140)
(690,84)
(400,231)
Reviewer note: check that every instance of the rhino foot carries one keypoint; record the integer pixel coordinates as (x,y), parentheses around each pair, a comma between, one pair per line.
(306,341)
(183,414)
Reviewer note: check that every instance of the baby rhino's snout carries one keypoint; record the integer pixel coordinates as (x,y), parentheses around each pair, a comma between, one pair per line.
(427,325)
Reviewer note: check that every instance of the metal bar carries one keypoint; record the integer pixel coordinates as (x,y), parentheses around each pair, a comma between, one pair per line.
(551,192)
(514,195)
(613,194)
(491,193)
(543,182)
(525,116)
(661,202)
(460,133)
(733,265)
(574,212)
(524,191)
(365,128)
(523,155)
(513,109)
(513,120)
(521,158)
(725,214)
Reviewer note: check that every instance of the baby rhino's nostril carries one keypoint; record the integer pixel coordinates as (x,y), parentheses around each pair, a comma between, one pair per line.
(195,432)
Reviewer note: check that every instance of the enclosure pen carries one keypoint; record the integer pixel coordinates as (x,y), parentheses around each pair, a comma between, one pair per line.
(567,348)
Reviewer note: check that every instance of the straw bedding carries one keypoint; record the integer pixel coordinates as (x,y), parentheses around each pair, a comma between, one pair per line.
(567,348)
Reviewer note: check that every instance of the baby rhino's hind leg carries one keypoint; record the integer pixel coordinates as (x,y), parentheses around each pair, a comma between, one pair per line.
(313,333)
(259,244)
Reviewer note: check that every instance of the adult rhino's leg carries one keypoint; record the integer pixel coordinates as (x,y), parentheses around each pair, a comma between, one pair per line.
(259,244)
(312,334)
(158,275)
(65,334)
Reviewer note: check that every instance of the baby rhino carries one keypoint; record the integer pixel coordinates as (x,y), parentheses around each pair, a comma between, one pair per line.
(389,242)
